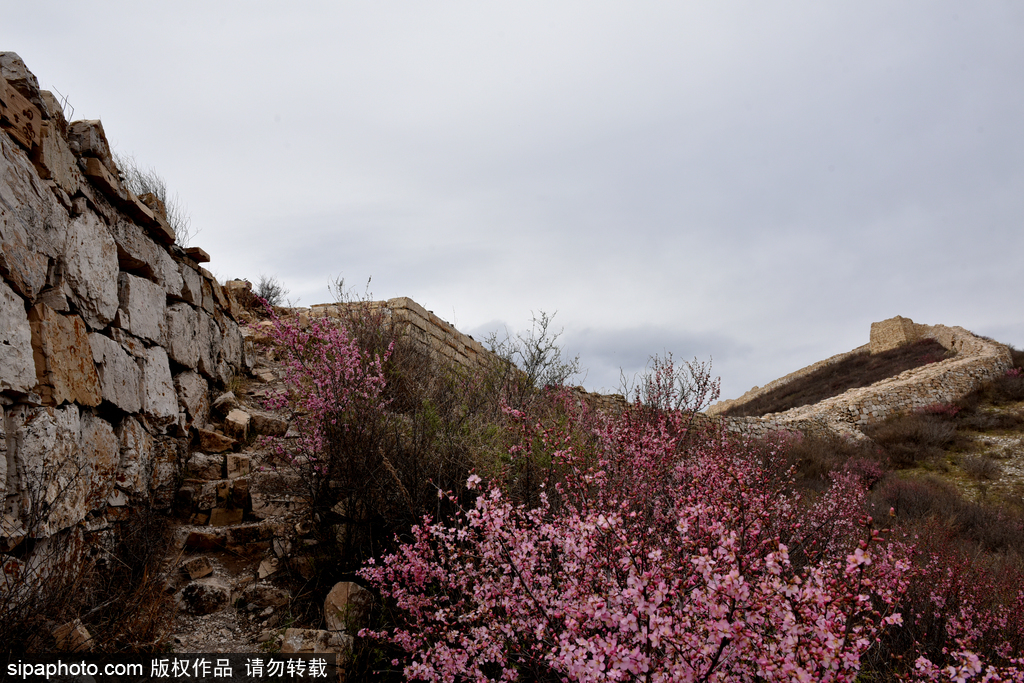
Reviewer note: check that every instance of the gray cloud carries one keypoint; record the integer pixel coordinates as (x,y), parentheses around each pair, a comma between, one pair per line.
(756,183)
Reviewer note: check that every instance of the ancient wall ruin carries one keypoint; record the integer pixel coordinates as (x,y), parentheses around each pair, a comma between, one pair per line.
(977,361)
(111,335)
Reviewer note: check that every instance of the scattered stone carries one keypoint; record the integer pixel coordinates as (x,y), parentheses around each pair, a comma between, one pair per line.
(205,596)
(205,540)
(197,567)
(269,425)
(199,519)
(209,467)
(239,492)
(268,567)
(347,605)
(72,637)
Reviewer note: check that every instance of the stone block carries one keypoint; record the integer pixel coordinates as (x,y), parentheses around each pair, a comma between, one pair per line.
(17,364)
(119,373)
(100,176)
(192,284)
(88,139)
(209,467)
(91,270)
(63,358)
(212,442)
(223,493)
(193,396)
(237,466)
(236,424)
(198,255)
(158,398)
(19,117)
(142,310)
(225,517)
(197,567)
(347,606)
(54,160)
(209,345)
(18,77)
(100,449)
(21,264)
(269,425)
(182,329)
(73,637)
(50,472)
(136,448)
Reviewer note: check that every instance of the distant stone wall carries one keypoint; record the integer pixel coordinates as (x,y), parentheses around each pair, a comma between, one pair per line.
(977,361)
(432,332)
(111,336)
(722,406)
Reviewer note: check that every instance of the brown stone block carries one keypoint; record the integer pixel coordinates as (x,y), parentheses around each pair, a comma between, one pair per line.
(63,358)
(19,117)
(198,255)
(225,517)
(102,178)
(212,442)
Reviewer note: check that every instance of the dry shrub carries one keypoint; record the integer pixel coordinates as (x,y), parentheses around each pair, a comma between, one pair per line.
(110,580)
(920,499)
(981,467)
(911,438)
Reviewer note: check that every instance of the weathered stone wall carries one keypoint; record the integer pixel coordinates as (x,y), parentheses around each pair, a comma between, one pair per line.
(111,336)
(977,361)
(432,332)
(722,406)
(892,333)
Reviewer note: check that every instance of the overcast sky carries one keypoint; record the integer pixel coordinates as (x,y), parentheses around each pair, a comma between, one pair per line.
(753,182)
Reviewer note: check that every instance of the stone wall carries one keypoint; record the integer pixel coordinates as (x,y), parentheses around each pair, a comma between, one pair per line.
(111,335)
(977,361)
(433,333)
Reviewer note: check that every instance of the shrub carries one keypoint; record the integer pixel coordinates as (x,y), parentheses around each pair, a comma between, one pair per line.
(655,564)
(270,290)
(911,438)
(147,181)
(537,355)
(981,467)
